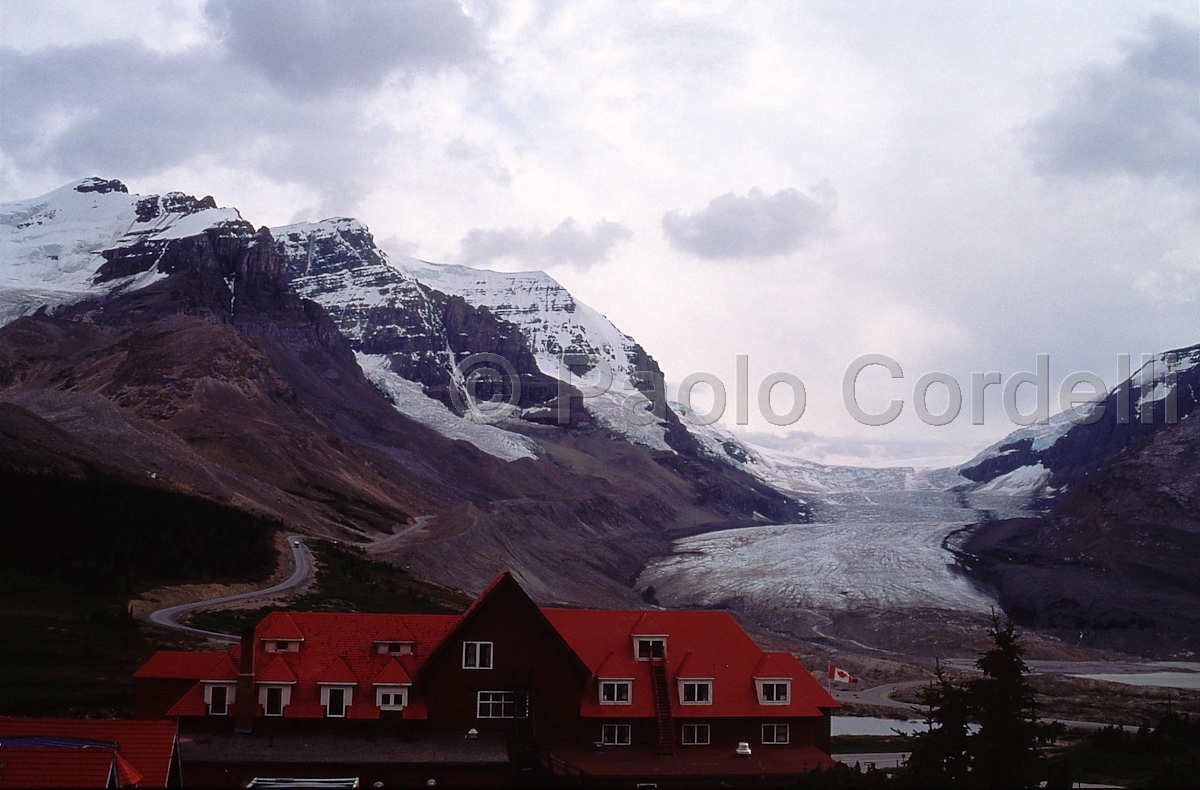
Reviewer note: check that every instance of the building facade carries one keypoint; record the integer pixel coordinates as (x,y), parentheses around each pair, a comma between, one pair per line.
(619,694)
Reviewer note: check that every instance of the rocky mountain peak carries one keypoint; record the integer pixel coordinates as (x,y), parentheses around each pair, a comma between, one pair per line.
(101,185)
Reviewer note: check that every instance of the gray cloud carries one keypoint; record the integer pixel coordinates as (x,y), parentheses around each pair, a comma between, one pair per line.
(1140,117)
(569,244)
(312,46)
(755,226)
(252,101)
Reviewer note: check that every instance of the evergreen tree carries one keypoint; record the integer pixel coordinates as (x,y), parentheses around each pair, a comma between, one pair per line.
(1002,702)
(1003,752)
(942,755)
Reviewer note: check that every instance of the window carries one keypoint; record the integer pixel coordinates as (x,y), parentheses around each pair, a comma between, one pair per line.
(695,692)
(274,705)
(336,707)
(774,733)
(496,705)
(218,701)
(282,646)
(615,735)
(773,692)
(615,692)
(477,655)
(695,734)
(274,698)
(391,697)
(648,648)
(395,648)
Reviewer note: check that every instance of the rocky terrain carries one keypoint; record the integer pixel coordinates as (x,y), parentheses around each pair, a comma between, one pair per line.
(1113,562)
(174,351)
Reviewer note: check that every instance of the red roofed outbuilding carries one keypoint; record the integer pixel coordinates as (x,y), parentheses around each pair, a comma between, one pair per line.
(140,753)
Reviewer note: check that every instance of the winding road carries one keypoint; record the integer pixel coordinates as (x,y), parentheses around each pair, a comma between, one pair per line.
(303,571)
(302,562)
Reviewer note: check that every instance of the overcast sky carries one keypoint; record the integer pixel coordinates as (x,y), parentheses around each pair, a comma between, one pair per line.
(958,185)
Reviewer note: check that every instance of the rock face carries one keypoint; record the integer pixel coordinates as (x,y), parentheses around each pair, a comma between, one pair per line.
(93,239)
(174,352)
(384,311)
(1151,400)
(1114,559)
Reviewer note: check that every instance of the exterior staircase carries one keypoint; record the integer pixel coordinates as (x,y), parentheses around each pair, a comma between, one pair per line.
(662,704)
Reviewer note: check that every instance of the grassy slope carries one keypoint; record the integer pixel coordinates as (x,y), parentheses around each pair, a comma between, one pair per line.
(67,652)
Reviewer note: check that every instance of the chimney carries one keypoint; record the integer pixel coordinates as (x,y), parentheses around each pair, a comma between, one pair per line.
(246,701)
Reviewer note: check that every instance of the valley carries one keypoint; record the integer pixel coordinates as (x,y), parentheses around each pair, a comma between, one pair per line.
(300,377)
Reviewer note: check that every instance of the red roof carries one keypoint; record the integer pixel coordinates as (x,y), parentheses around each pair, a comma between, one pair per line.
(222,669)
(648,625)
(190,704)
(774,666)
(335,647)
(692,667)
(277,671)
(148,745)
(339,673)
(278,626)
(393,674)
(616,667)
(127,775)
(184,665)
(704,644)
(394,631)
(56,767)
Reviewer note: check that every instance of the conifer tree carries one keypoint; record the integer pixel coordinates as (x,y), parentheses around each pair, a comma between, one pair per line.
(1002,702)
(1003,750)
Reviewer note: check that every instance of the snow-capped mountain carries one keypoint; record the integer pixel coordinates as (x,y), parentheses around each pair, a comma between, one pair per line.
(555,325)
(91,239)
(1047,458)
(415,322)
(178,354)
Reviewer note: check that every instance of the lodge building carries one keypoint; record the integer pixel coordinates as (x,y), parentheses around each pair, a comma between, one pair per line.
(622,696)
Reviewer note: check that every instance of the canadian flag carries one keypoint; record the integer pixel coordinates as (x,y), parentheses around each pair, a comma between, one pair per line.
(839,675)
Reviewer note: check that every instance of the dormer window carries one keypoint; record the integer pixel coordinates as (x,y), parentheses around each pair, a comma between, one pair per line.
(649,647)
(477,655)
(391,697)
(282,645)
(616,692)
(274,698)
(219,697)
(775,691)
(695,692)
(394,648)
(336,698)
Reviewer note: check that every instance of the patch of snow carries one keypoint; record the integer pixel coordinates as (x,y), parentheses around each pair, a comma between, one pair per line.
(51,246)
(410,399)
(555,323)
(1025,480)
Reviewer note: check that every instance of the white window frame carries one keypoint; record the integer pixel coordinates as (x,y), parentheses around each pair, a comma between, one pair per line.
(701,735)
(776,730)
(230,690)
(394,648)
(285,697)
(696,685)
(393,692)
(474,653)
(504,699)
(282,645)
(615,734)
(347,698)
(773,684)
(616,685)
(649,639)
